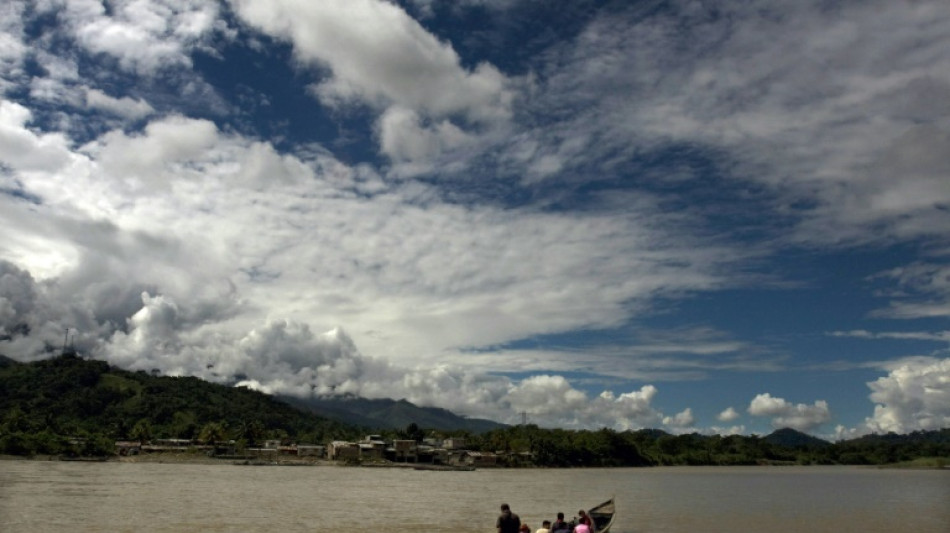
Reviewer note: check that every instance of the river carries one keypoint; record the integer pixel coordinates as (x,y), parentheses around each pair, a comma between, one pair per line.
(52,496)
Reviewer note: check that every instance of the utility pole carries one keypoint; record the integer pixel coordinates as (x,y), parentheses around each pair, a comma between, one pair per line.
(65,339)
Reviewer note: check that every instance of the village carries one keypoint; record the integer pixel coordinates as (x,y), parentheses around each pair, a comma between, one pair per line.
(372,450)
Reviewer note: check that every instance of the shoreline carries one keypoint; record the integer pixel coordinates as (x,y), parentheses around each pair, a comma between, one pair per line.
(200,458)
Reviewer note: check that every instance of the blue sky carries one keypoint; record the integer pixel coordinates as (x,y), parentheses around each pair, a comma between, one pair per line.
(678,215)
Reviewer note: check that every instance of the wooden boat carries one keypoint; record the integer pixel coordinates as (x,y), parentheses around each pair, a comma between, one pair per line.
(603,516)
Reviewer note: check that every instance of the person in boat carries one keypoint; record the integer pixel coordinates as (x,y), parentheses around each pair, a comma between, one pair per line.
(582,528)
(525,528)
(560,526)
(545,527)
(508,522)
(584,518)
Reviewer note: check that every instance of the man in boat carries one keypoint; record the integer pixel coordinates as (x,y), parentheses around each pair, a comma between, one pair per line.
(560,526)
(545,527)
(507,522)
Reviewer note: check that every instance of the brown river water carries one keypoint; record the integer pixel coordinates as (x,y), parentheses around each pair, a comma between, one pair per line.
(52,496)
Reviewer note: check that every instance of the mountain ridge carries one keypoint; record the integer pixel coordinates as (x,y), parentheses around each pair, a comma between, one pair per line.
(386,413)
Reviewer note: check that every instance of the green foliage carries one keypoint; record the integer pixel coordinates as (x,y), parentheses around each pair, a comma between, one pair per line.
(72,406)
(647,447)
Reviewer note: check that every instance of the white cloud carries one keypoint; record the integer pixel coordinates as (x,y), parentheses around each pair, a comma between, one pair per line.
(379,56)
(915,395)
(283,357)
(184,244)
(25,151)
(923,291)
(181,246)
(784,414)
(143,35)
(940,336)
(728,415)
(681,420)
(404,139)
(728,430)
(845,112)
(377,53)
(12,49)
(126,107)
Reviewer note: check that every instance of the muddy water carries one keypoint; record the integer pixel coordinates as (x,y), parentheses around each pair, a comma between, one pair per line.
(61,496)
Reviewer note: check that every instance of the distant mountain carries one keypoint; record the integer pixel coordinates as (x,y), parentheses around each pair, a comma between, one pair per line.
(388,414)
(6,361)
(791,438)
(653,434)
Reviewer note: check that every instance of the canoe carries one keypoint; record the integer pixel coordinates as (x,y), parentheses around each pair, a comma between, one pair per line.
(603,516)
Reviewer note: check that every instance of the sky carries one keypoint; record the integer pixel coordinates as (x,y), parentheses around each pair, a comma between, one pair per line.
(714,217)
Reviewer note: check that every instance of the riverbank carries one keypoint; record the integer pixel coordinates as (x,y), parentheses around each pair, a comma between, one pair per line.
(924,463)
(176,458)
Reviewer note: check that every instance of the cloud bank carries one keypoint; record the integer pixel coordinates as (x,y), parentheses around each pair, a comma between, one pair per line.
(510,222)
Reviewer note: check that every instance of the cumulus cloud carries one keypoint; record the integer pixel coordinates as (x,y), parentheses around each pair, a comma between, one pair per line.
(144,36)
(284,357)
(23,150)
(379,56)
(193,251)
(728,415)
(386,54)
(175,243)
(403,138)
(915,395)
(727,430)
(784,414)
(682,421)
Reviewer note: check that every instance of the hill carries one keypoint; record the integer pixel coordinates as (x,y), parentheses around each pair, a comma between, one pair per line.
(389,414)
(791,438)
(44,402)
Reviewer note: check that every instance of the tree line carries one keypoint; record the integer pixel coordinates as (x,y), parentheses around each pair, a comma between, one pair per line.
(531,445)
(71,406)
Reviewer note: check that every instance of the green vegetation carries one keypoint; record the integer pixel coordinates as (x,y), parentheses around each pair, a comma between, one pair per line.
(71,406)
(651,447)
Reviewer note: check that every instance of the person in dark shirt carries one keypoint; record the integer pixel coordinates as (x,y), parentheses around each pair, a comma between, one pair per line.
(560,526)
(508,522)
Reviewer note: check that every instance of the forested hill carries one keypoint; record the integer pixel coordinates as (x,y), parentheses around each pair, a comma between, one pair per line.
(389,414)
(43,402)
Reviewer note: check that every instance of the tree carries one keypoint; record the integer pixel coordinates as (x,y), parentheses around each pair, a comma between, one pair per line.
(414,432)
(213,432)
(142,431)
